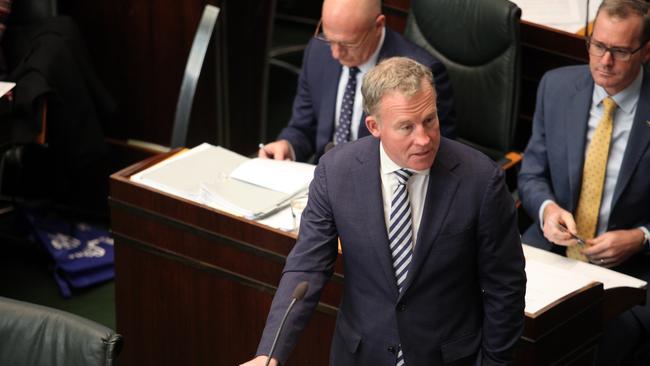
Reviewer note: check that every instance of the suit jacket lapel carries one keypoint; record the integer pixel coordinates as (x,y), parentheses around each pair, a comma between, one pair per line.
(363,130)
(331,75)
(576,122)
(638,141)
(369,192)
(441,190)
(387,50)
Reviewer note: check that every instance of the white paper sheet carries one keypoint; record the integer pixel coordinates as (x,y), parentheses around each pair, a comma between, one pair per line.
(282,176)
(551,277)
(5,87)
(566,15)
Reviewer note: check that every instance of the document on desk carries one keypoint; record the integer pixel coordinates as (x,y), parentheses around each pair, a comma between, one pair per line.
(552,277)
(222,179)
(566,15)
(282,176)
(5,86)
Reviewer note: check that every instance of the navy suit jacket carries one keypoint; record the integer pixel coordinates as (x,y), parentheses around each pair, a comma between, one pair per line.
(463,301)
(554,158)
(312,120)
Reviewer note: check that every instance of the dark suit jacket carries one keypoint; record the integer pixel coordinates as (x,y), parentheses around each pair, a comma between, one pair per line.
(554,158)
(312,120)
(463,299)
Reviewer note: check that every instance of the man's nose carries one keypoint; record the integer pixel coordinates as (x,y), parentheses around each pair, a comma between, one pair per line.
(607,58)
(422,137)
(336,50)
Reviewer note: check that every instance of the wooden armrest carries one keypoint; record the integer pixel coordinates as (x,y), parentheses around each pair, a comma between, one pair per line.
(512,159)
(41,137)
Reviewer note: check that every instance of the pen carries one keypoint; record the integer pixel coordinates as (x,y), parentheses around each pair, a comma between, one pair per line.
(564,229)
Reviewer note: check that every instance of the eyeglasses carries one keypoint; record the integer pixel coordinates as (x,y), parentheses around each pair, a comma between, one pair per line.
(320,35)
(599,49)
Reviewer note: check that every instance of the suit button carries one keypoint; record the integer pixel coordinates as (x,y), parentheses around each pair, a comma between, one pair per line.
(401,307)
(391,349)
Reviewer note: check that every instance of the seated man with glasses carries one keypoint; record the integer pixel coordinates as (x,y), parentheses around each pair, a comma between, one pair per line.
(585,177)
(327,110)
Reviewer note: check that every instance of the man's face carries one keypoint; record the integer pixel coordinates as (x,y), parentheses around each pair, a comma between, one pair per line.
(613,74)
(352,42)
(408,127)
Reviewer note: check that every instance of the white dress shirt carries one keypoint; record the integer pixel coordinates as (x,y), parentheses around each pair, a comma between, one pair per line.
(357,110)
(417,189)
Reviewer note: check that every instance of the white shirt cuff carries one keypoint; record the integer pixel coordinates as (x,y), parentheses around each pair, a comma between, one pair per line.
(541,213)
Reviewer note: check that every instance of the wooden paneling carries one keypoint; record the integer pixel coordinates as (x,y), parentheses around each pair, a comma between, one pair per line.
(140,48)
(194,285)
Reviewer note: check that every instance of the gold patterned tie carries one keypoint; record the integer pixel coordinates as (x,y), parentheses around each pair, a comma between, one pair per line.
(593,179)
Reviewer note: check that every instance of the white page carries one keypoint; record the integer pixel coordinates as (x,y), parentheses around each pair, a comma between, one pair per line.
(607,277)
(283,176)
(546,283)
(5,87)
(282,220)
(566,15)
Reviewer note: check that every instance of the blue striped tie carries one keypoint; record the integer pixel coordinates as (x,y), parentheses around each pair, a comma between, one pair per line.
(342,133)
(400,235)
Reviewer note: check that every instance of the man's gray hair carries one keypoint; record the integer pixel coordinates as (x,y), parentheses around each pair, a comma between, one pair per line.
(624,8)
(400,74)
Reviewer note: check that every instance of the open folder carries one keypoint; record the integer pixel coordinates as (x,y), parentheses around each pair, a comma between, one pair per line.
(220,178)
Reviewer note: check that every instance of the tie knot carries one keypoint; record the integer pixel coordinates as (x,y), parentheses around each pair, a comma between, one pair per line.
(403,175)
(610,105)
(354,71)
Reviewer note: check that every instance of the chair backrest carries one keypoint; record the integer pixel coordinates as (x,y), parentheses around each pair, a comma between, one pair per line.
(191,75)
(478,41)
(37,335)
(32,11)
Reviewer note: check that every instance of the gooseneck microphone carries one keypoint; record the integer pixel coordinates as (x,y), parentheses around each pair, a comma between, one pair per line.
(298,293)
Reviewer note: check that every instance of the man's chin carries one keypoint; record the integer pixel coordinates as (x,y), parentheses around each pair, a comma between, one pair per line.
(421,161)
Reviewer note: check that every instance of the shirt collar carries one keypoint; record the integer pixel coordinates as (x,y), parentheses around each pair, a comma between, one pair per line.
(387,165)
(626,99)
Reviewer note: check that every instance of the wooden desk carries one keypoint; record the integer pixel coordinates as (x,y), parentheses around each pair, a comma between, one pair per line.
(194,285)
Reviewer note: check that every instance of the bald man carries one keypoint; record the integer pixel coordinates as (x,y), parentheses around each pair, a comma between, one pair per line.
(350,39)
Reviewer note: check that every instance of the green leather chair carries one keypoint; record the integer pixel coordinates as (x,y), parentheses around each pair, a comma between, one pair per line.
(478,41)
(35,335)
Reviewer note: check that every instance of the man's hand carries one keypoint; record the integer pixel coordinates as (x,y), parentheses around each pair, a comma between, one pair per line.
(278,150)
(558,225)
(614,247)
(261,361)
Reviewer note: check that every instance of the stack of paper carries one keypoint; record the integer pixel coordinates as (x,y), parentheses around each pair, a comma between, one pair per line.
(552,277)
(219,178)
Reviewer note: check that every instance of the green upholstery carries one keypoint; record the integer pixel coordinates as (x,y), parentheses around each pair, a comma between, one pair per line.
(478,41)
(34,335)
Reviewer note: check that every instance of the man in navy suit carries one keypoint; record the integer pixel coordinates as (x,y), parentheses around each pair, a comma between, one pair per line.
(353,37)
(570,105)
(455,295)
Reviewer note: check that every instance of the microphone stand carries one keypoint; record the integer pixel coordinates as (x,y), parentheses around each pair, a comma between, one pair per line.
(298,293)
(277,334)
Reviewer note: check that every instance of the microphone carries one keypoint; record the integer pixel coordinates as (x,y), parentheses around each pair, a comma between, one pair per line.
(298,293)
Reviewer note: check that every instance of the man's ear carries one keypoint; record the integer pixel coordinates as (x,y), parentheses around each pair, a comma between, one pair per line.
(373,126)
